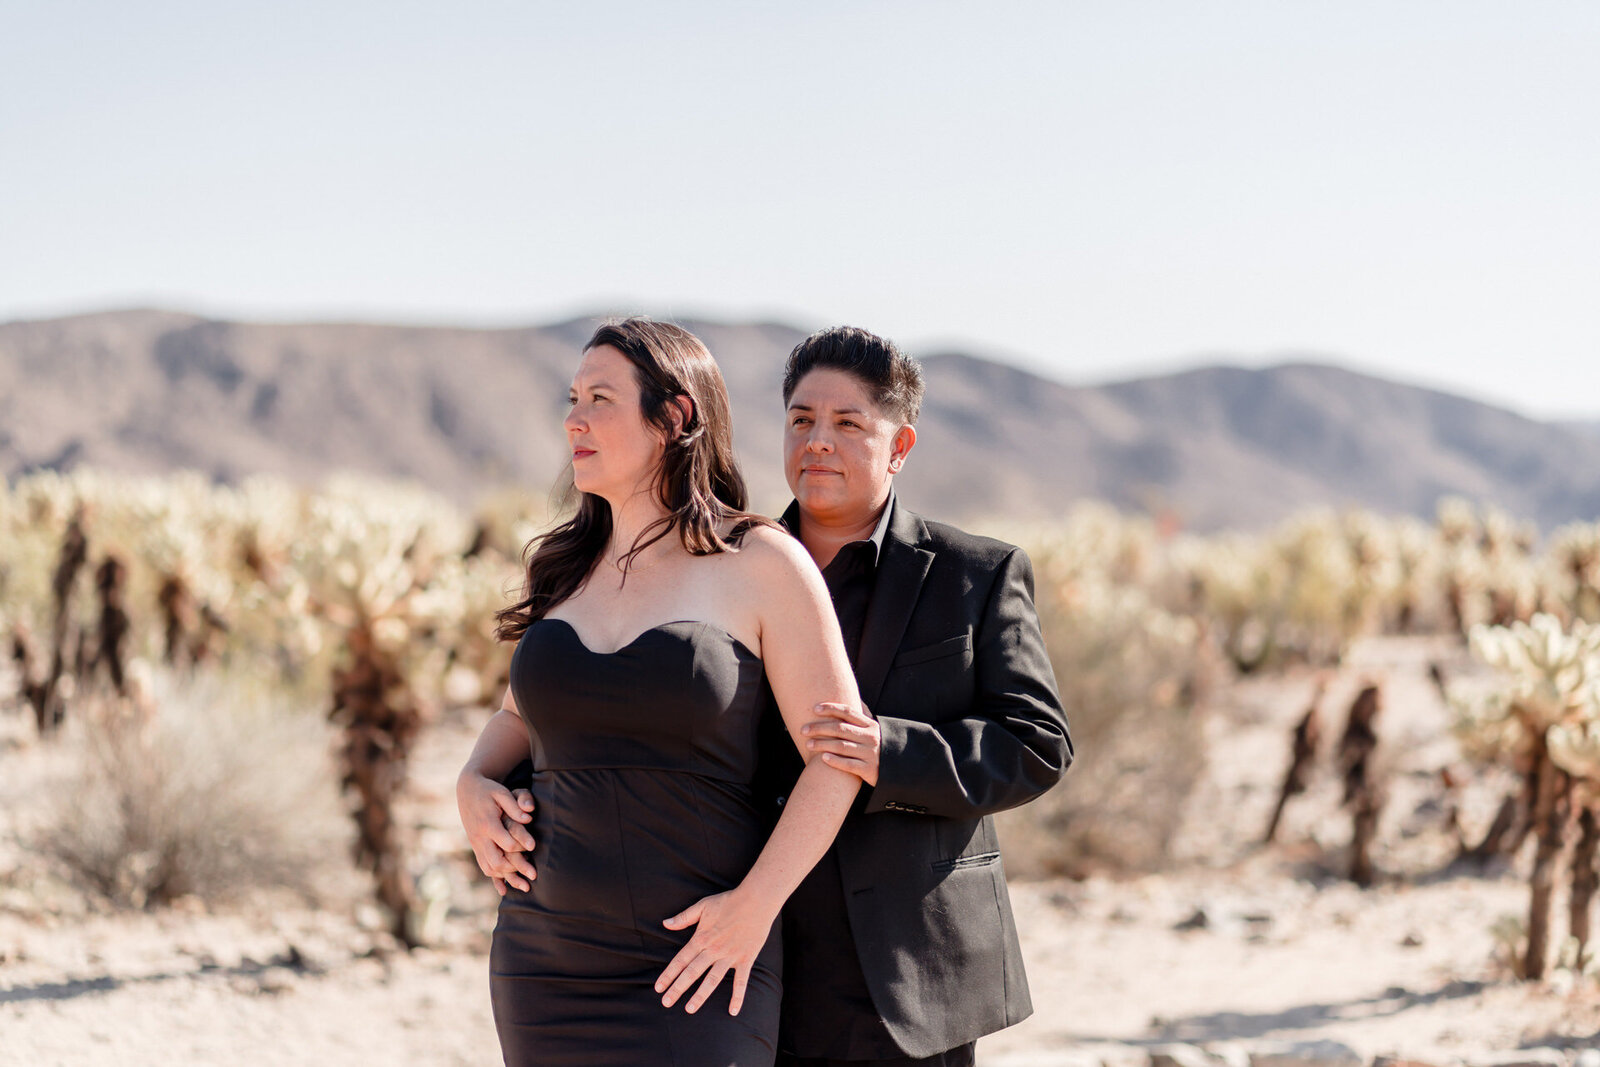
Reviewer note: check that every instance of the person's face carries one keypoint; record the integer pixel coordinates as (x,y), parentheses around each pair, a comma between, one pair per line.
(614,451)
(839,449)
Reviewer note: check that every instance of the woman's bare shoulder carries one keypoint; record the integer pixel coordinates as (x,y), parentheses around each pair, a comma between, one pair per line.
(771,551)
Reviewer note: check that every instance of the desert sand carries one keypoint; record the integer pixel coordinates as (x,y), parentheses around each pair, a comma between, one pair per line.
(1234,945)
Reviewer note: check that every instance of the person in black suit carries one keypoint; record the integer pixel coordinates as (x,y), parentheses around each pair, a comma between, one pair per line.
(900,947)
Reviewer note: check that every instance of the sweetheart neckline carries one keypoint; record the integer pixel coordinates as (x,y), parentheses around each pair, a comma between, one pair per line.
(640,636)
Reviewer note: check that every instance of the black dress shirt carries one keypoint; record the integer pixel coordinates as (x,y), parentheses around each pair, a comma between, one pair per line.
(842,1022)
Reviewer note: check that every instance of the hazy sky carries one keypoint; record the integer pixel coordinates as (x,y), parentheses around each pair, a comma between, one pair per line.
(1092,189)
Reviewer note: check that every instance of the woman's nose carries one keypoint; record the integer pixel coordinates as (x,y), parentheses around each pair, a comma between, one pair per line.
(818,442)
(573,421)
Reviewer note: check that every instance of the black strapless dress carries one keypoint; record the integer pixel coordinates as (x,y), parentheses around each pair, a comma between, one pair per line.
(642,766)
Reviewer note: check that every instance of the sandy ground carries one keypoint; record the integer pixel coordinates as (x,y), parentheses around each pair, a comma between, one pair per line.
(1236,944)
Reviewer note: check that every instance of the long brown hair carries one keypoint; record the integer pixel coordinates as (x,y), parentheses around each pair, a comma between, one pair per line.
(697,481)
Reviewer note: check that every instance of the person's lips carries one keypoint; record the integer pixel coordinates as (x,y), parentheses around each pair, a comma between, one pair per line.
(582,453)
(817,470)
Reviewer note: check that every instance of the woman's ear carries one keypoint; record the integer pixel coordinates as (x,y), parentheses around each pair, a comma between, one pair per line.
(682,413)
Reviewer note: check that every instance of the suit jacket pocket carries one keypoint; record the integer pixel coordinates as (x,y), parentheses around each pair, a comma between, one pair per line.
(982,859)
(951,646)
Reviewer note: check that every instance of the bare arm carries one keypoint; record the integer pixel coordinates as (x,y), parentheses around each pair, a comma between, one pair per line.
(486,805)
(806,664)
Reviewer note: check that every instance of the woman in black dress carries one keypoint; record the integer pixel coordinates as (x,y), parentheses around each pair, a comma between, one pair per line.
(650,624)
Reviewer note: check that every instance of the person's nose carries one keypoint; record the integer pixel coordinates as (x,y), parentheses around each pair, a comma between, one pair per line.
(818,441)
(574,422)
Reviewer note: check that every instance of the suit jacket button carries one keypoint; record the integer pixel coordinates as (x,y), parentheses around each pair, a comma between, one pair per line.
(781,800)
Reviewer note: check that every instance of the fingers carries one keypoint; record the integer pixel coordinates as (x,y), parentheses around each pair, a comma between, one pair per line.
(692,969)
(511,805)
(505,868)
(844,731)
(519,834)
(741,981)
(843,712)
(673,973)
(503,839)
(856,735)
(524,798)
(517,871)
(856,767)
(520,863)
(838,746)
(687,917)
(501,823)
(713,979)
(862,769)
(847,740)
(669,975)
(491,860)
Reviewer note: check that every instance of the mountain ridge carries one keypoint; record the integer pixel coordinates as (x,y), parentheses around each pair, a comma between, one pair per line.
(468,409)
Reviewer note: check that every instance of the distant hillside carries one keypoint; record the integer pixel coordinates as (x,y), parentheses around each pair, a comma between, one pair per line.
(467,410)
(457,409)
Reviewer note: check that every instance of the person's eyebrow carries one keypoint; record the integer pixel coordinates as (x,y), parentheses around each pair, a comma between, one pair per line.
(833,411)
(590,387)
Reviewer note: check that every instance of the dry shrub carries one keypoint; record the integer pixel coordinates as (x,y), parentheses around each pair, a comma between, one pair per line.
(206,786)
(1129,674)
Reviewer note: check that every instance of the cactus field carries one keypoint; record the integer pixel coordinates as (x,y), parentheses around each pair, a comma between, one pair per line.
(1343,707)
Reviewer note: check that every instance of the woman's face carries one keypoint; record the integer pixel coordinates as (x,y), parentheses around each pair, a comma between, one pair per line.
(615,453)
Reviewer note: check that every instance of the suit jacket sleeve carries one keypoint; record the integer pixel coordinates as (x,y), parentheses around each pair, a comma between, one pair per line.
(1009,746)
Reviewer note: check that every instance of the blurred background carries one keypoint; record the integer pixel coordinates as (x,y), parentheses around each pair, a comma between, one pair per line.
(1269,330)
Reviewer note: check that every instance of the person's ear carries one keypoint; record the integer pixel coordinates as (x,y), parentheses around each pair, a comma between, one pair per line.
(681,411)
(904,439)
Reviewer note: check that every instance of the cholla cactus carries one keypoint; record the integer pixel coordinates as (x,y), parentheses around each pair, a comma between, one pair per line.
(361,584)
(1457,520)
(1492,573)
(392,593)
(1243,589)
(1311,587)
(371,558)
(1418,579)
(1575,552)
(1544,720)
(1554,672)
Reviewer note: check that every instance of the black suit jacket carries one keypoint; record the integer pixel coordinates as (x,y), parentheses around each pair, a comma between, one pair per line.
(953,665)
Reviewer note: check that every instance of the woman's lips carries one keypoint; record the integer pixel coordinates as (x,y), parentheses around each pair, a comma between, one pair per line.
(582,453)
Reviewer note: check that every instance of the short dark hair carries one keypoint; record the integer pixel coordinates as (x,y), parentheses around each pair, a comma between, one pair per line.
(894,378)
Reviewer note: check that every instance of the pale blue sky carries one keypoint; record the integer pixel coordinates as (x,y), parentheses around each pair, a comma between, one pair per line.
(1091,189)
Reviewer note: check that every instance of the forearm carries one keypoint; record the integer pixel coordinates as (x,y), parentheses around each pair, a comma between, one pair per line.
(501,746)
(812,815)
(1006,746)
(970,767)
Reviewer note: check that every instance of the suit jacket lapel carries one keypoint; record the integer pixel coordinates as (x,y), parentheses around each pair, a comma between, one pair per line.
(901,570)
